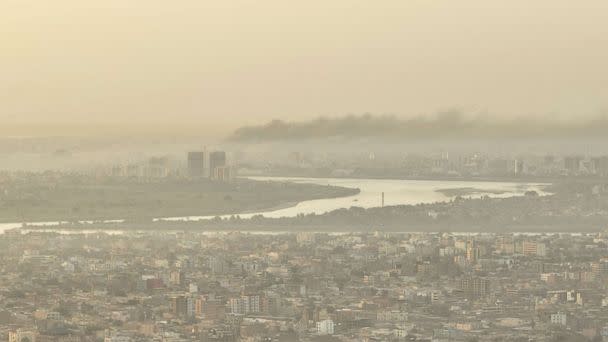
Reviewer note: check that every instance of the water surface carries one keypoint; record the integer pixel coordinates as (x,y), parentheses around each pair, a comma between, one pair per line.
(396,192)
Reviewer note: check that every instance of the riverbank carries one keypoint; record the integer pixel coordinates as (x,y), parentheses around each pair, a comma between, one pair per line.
(252,227)
(71,198)
(468,192)
(491,179)
(329,196)
(521,214)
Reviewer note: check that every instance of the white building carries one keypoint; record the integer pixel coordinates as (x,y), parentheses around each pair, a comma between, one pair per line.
(325,327)
(559,318)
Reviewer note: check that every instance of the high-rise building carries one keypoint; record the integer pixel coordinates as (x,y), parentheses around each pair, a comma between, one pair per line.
(217,159)
(474,286)
(473,254)
(158,167)
(245,304)
(533,248)
(599,165)
(519,167)
(179,306)
(190,306)
(222,173)
(572,164)
(209,308)
(196,164)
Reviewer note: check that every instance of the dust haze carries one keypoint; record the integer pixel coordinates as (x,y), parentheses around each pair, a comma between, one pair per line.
(315,171)
(246,62)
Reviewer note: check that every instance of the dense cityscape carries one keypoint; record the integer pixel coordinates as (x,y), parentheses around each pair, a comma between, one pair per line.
(522,267)
(303,286)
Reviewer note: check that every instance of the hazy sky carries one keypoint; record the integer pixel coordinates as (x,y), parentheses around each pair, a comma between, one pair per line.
(235,60)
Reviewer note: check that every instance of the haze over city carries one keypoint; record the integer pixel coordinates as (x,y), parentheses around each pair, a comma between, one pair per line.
(315,171)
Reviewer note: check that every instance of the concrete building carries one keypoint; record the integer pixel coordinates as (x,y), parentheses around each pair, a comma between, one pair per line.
(560,318)
(196,164)
(21,336)
(325,327)
(245,305)
(217,159)
(474,286)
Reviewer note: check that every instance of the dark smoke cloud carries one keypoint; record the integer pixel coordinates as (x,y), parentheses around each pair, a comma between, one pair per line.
(444,125)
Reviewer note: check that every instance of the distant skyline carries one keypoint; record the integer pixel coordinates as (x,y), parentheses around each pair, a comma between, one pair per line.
(242,62)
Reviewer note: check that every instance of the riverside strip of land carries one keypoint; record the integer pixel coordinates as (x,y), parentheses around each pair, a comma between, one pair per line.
(572,207)
(65,197)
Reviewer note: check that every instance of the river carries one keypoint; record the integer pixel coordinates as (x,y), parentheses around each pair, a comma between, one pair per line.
(396,192)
